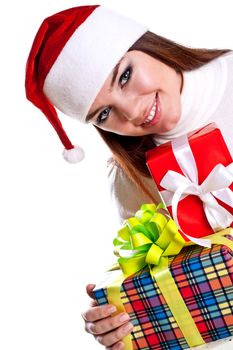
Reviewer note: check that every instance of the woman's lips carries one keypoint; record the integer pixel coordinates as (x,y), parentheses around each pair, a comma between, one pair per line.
(154,113)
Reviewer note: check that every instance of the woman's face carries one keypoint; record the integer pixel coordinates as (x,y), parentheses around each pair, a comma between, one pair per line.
(140,97)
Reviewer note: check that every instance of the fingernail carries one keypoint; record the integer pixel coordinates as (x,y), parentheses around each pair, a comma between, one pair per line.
(111,309)
(119,346)
(123,317)
(128,328)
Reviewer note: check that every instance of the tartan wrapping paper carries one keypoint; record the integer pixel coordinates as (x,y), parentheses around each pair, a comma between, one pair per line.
(205,280)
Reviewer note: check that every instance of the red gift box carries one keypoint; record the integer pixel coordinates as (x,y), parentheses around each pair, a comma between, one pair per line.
(209,149)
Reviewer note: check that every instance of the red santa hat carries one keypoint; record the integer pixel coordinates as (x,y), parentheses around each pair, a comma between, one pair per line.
(72,55)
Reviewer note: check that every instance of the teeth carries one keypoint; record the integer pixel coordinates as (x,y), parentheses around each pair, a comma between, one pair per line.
(151,115)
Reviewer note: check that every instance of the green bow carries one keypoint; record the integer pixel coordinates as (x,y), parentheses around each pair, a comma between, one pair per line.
(145,238)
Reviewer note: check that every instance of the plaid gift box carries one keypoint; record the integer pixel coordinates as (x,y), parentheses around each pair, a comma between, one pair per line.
(204,278)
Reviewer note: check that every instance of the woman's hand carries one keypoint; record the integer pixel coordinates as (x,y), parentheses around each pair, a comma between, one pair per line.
(108,330)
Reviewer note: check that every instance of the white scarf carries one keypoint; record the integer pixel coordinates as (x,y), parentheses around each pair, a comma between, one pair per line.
(202,92)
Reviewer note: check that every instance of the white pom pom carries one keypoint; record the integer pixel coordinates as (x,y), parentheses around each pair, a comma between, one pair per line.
(74,155)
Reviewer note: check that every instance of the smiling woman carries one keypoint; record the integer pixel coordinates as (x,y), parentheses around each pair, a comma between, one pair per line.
(142,98)
(139,90)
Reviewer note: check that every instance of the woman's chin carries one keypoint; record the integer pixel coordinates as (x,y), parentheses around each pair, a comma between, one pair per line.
(166,127)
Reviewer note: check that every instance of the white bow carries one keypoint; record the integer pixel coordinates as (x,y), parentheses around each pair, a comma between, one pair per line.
(178,186)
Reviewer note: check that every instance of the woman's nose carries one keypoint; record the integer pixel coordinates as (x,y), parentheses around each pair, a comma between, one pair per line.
(131,109)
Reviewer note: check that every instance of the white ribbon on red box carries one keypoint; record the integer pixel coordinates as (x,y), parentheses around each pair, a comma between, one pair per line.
(178,186)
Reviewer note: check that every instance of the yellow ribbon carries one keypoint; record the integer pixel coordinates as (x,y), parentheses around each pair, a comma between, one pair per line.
(176,303)
(150,238)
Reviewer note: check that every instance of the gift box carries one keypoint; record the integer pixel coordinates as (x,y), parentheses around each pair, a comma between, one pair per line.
(204,281)
(194,175)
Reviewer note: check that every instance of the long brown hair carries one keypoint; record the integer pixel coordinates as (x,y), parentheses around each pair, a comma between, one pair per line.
(129,151)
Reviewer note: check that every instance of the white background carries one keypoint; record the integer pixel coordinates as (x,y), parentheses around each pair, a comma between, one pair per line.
(57,223)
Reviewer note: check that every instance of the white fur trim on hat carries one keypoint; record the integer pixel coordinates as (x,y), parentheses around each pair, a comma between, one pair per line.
(88,58)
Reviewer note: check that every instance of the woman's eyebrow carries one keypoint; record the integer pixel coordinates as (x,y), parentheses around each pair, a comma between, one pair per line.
(115,72)
(114,75)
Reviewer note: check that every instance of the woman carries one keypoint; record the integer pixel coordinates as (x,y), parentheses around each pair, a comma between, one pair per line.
(139,90)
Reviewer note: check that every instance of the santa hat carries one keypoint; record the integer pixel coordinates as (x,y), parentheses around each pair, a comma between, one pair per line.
(72,55)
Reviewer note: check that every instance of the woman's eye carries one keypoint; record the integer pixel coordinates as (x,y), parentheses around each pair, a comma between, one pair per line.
(103,115)
(125,76)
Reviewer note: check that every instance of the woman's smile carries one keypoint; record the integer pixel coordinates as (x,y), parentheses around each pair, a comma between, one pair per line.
(154,114)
